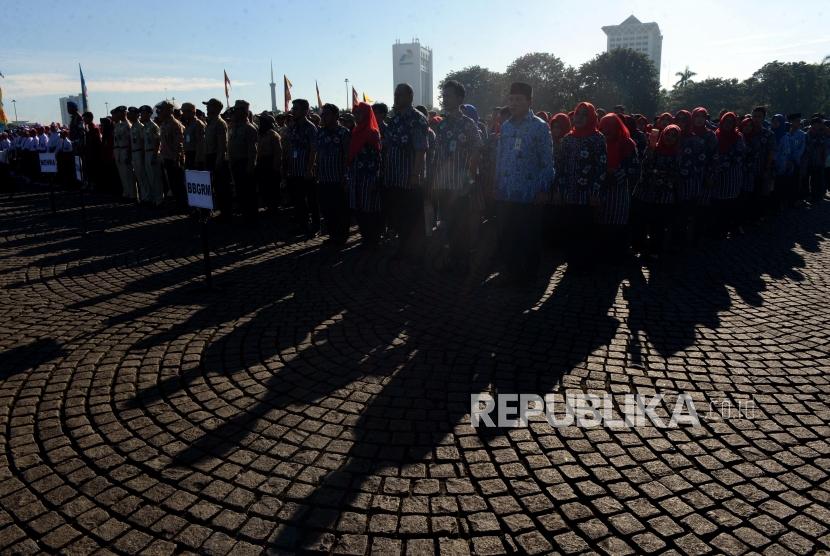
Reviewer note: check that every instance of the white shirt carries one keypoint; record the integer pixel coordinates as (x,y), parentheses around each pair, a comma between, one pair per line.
(42,142)
(63,145)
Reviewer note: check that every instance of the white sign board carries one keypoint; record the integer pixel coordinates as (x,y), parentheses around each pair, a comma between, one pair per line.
(48,164)
(199,189)
(78,168)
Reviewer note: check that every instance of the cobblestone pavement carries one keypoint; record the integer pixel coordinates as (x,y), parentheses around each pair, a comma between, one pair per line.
(321,400)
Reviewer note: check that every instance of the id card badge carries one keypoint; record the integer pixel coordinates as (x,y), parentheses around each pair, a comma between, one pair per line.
(517,144)
(295,153)
(187,138)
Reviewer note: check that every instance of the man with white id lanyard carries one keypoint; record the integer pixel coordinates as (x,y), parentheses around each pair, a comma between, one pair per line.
(524,174)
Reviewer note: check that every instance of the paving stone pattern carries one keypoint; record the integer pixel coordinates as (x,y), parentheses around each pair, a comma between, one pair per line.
(321,400)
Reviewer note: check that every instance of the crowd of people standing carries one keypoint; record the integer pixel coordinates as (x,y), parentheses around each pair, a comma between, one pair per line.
(612,183)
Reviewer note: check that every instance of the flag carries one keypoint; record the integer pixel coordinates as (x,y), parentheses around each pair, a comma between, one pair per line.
(355,100)
(227,88)
(319,102)
(84,95)
(3,119)
(287,86)
(367,98)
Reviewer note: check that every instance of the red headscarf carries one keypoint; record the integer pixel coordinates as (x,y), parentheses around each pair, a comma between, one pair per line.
(748,123)
(727,135)
(564,124)
(591,126)
(617,140)
(699,111)
(662,147)
(687,129)
(364,133)
(665,116)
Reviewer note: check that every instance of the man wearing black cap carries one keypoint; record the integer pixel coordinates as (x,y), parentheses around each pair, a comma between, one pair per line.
(524,175)
(154,173)
(216,157)
(121,151)
(172,153)
(77,130)
(815,158)
(194,138)
(242,151)
(137,152)
(404,155)
(797,143)
(299,153)
(332,155)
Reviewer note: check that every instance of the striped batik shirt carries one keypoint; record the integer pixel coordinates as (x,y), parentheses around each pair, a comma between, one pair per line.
(406,134)
(332,146)
(457,140)
(300,139)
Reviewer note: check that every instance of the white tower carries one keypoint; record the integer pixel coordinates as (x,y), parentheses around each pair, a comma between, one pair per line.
(273,90)
(412,64)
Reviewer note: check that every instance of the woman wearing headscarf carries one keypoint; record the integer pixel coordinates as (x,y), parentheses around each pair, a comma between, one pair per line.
(728,172)
(363,174)
(552,222)
(704,213)
(638,136)
(621,175)
(560,125)
(656,193)
(268,170)
(692,165)
(581,181)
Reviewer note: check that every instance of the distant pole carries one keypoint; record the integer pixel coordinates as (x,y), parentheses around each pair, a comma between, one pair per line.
(14,103)
(106,108)
(347,93)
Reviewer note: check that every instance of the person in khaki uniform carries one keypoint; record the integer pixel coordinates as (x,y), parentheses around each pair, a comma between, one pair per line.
(242,151)
(121,148)
(172,153)
(194,138)
(137,152)
(216,157)
(152,158)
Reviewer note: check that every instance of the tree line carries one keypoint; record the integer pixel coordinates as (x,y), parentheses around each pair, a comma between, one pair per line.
(627,77)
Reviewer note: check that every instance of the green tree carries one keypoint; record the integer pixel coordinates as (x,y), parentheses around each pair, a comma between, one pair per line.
(685,77)
(621,76)
(553,83)
(792,87)
(485,89)
(714,94)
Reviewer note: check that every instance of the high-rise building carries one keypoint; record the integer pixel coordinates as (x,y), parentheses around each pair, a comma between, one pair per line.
(637,36)
(412,64)
(64,112)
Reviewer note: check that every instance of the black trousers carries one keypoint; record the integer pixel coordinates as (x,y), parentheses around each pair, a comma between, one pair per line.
(334,206)
(175,181)
(303,193)
(818,187)
(578,221)
(268,181)
(245,184)
(520,238)
(370,225)
(220,178)
(652,225)
(404,213)
(455,214)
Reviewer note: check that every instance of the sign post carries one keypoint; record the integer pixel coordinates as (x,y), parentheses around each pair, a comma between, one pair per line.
(49,166)
(200,195)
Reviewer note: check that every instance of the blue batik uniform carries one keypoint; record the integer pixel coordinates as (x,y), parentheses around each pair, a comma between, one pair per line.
(524,161)
(692,168)
(729,171)
(406,133)
(616,201)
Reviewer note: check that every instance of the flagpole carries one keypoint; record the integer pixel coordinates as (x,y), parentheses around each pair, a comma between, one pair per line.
(347,93)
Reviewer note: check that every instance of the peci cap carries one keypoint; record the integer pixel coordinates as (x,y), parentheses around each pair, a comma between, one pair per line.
(132,110)
(519,88)
(118,109)
(188,106)
(145,108)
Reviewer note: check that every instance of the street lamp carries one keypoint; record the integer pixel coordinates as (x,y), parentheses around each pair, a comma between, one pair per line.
(14,103)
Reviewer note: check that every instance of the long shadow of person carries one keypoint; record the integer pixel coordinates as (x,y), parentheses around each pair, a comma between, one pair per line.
(505,343)
(28,356)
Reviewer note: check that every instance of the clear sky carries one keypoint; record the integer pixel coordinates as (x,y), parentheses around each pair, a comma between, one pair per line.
(139,53)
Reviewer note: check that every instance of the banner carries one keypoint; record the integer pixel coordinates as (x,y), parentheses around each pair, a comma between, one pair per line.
(78,168)
(48,163)
(199,190)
